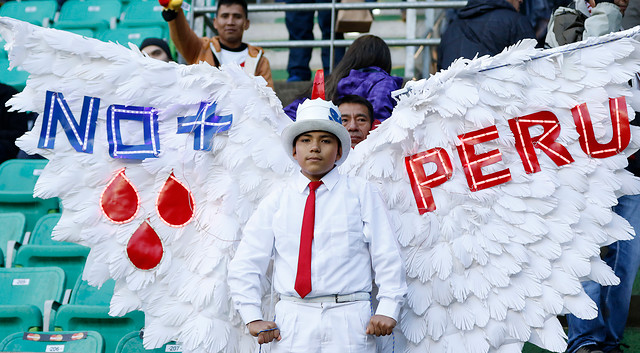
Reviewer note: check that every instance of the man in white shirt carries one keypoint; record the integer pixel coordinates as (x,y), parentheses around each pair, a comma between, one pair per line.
(324,279)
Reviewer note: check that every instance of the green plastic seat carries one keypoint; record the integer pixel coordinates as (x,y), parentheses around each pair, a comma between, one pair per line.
(88,309)
(96,317)
(11,230)
(144,13)
(134,35)
(17,180)
(95,14)
(3,52)
(37,12)
(23,295)
(132,343)
(42,251)
(76,341)
(15,78)
(85,294)
(85,32)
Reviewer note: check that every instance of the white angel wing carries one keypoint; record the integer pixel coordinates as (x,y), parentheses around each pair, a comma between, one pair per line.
(491,269)
(175,271)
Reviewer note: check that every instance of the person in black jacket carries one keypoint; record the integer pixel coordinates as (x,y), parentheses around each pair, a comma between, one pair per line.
(12,125)
(483,27)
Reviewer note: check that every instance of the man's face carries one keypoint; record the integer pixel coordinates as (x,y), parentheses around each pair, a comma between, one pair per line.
(516,4)
(230,22)
(156,52)
(355,117)
(316,153)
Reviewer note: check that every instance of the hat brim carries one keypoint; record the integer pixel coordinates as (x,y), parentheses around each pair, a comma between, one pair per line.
(301,126)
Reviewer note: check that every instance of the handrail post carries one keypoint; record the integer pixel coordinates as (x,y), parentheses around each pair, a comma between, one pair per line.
(409,60)
(333,34)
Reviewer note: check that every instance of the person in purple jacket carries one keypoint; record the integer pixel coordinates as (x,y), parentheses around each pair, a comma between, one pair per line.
(364,71)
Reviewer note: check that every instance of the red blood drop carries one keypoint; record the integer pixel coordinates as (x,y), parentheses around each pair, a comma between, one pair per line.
(144,248)
(119,200)
(175,203)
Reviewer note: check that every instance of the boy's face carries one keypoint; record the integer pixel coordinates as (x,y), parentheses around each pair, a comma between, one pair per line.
(316,153)
(230,22)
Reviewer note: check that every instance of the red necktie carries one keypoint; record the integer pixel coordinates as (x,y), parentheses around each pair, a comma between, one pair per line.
(303,277)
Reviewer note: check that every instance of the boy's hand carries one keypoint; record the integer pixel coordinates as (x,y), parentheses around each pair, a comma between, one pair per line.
(264,330)
(380,325)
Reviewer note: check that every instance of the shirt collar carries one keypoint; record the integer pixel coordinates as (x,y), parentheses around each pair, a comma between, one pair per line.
(330,180)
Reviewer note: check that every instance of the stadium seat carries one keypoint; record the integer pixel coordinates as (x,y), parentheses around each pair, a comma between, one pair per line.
(88,308)
(25,294)
(3,52)
(134,35)
(37,12)
(95,14)
(15,78)
(75,341)
(17,180)
(132,343)
(85,32)
(42,251)
(143,13)
(11,231)
(96,317)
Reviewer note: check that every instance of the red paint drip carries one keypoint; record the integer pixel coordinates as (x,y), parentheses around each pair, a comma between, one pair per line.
(119,200)
(144,248)
(175,203)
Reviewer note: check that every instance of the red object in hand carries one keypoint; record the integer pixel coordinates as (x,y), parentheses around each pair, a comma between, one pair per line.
(164,3)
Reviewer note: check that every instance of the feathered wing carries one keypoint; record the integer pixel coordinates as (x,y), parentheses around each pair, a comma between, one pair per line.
(489,270)
(184,295)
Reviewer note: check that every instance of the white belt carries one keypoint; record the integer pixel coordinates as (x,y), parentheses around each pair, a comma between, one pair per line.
(335,298)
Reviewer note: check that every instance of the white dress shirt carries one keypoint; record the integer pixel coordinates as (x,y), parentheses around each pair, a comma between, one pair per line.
(352,237)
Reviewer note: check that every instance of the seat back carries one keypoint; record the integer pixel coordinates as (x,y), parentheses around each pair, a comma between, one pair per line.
(19,318)
(18,178)
(76,341)
(85,294)
(15,78)
(142,13)
(3,52)
(134,35)
(41,234)
(94,14)
(31,286)
(132,343)
(37,12)
(11,228)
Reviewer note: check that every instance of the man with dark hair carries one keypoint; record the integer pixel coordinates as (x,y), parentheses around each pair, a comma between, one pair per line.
(156,48)
(357,117)
(227,48)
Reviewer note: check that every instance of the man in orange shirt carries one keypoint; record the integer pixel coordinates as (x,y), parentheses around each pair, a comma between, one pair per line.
(231,21)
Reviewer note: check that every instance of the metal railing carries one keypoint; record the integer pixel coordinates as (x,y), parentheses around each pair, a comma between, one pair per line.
(199,21)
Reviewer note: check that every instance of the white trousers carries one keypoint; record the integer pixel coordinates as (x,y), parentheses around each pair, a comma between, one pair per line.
(323,328)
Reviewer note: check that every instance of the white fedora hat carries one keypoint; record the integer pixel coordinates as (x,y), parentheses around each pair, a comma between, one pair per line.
(317,115)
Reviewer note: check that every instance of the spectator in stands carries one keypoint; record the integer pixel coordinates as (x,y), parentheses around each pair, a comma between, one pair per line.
(157,48)
(364,71)
(357,117)
(227,48)
(300,27)
(604,333)
(12,125)
(483,27)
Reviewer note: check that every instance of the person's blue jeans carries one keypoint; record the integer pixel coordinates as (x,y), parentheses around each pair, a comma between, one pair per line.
(300,27)
(613,301)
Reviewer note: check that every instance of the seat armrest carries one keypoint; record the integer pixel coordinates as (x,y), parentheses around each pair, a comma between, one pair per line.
(12,247)
(49,306)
